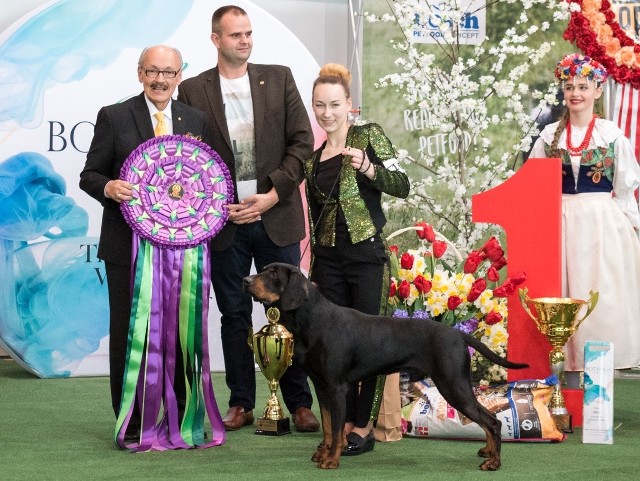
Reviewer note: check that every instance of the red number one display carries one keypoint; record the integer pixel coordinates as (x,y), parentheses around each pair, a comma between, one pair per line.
(528,207)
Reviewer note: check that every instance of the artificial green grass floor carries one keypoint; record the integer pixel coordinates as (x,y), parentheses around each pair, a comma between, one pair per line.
(62,429)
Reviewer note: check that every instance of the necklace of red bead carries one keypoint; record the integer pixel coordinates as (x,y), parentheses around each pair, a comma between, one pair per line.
(585,142)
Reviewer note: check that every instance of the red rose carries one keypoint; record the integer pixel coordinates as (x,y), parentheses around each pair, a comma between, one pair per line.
(477,288)
(453,302)
(493,318)
(392,289)
(499,264)
(394,249)
(492,249)
(492,274)
(427,233)
(406,261)
(439,248)
(422,284)
(404,289)
(472,262)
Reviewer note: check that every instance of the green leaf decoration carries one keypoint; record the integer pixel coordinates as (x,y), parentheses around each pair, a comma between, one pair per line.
(191,211)
(203,224)
(157,206)
(142,217)
(207,165)
(173,216)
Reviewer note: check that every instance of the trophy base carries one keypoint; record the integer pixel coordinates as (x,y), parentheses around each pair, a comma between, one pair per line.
(273,427)
(563,422)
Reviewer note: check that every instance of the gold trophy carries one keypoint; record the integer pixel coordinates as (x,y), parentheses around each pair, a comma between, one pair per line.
(272,348)
(558,320)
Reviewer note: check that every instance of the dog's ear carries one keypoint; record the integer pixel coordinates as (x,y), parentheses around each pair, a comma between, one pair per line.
(295,293)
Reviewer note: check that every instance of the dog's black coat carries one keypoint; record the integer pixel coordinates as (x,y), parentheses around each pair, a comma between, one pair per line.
(338,346)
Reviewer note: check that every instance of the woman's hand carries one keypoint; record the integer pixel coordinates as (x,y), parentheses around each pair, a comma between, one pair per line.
(360,162)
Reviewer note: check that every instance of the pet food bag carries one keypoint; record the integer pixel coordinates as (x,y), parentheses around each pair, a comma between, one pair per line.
(521,406)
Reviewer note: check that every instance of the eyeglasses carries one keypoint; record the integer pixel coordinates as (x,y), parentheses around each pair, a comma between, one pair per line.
(153,73)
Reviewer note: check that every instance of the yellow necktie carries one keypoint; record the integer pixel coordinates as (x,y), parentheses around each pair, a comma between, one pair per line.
(161,127)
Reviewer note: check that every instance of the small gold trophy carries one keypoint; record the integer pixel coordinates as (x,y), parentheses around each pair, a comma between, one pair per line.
(272,348)
(558,320)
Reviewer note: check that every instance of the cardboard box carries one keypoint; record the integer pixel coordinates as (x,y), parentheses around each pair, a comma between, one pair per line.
(597,416)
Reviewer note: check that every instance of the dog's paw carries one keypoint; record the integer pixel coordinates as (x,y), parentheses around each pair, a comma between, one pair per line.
(329,463)
(485,452)
(491,464)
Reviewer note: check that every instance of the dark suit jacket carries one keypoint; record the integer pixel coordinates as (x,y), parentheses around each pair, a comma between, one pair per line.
(283,139)
(119,130)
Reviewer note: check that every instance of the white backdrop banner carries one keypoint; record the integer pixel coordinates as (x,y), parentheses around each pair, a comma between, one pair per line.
(58,65)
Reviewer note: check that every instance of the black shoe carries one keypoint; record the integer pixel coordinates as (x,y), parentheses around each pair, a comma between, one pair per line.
(358,444)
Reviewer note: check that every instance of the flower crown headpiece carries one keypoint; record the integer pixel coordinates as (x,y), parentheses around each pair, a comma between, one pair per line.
(578,65)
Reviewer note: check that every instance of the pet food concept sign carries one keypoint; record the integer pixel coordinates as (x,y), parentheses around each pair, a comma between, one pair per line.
(57,71)
(430,24)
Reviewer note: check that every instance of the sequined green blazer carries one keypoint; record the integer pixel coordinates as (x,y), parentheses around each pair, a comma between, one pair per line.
(359,197)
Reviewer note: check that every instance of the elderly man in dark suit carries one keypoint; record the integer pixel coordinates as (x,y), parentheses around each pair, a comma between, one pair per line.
(119,130)
(258,124)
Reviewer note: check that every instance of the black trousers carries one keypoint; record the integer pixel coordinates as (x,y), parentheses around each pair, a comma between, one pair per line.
(351,275)
(228,267)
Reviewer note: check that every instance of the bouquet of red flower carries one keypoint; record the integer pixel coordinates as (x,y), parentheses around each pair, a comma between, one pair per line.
(436,282)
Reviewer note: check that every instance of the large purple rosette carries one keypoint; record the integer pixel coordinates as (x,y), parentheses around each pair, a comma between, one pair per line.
(180,191)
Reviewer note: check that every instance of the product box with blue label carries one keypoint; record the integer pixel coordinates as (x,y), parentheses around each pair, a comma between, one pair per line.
(597,417)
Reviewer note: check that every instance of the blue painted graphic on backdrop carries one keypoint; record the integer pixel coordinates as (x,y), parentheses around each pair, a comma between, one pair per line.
(64,42)
(46,262)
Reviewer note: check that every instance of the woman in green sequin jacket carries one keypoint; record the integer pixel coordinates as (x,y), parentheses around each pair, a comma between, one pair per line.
(345,179)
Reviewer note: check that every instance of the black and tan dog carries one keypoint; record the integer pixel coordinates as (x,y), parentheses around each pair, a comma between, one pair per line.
(337,346)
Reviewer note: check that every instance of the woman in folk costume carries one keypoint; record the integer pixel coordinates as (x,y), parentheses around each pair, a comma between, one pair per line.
(600,217)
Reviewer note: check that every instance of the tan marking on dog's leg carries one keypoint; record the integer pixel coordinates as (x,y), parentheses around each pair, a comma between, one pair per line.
(332,458)
(322,452)
(491,451)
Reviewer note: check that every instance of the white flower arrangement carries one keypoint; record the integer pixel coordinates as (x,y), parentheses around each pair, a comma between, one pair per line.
(455,100)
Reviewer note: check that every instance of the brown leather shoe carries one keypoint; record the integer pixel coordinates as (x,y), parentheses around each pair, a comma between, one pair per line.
(305,421)
(237,418)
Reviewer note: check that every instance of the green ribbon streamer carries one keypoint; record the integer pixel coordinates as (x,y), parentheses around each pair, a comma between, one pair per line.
(138,329)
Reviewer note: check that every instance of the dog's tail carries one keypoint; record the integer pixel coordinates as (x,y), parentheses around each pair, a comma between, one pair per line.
(489,354)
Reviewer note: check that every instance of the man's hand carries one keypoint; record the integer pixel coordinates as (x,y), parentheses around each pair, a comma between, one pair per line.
(118,190)
(251,208)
